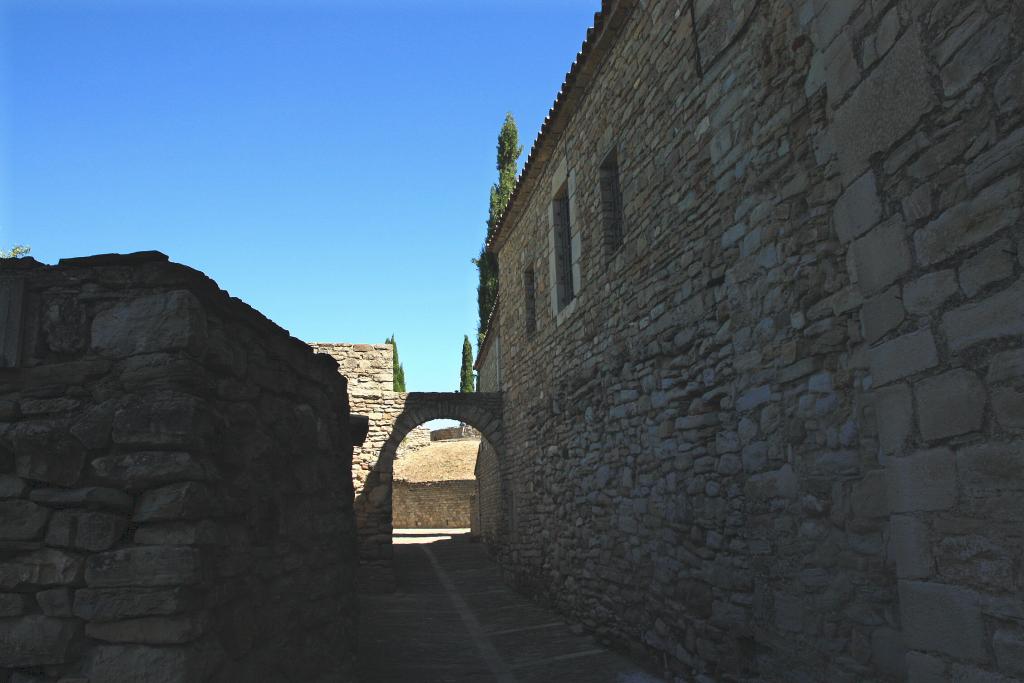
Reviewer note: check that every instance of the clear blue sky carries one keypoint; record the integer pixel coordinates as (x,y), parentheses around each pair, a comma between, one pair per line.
(328,162)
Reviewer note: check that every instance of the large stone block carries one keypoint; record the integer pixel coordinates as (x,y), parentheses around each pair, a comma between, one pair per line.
(162,421)
(881,256)
(949,404)
(930,291)
(992,466)
(184,500)
(143,469)
(874,117)
(1009,647)
(158,322)
(969,222)
(998,316)
(161,630)
(911,547)
(21,520)
(858,209)
(925,480)
(82,530)
(942,618)
(111,604)
(991,264)
(37,640)
(780,483)
(89,496)
(44,451)
(181,664)
(39,568)
(1008,406)
(894,416)
(153,565)
(903,356)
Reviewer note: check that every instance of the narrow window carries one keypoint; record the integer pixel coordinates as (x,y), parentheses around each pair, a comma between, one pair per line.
(563,248)
(530,297)
(611,203)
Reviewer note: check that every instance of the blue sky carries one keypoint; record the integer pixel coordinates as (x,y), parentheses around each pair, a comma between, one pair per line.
(327,162)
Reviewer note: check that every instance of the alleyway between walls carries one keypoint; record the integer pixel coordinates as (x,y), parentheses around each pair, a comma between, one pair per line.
(453,620)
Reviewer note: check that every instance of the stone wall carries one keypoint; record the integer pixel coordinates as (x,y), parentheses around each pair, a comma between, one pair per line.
(432,504)
(778,432)
(174,491)
(415,440)
(460,432)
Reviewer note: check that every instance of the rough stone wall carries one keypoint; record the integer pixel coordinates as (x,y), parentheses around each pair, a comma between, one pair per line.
(490,501)
(432,504)
(415,440)
(777,434)
(175,500)
(449,433)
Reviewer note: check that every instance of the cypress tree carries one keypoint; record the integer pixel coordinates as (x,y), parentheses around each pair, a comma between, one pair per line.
(466,376)
(399,372)
(509,150)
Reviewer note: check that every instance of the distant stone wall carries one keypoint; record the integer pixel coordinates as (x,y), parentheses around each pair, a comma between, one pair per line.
(433,504)
(421,437)
(175,498)
(777,433)
(449,433)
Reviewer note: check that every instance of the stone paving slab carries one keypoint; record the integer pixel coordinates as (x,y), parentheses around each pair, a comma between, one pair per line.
(452,620)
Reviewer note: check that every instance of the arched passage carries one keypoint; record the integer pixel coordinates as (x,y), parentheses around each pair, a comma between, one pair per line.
(392,419)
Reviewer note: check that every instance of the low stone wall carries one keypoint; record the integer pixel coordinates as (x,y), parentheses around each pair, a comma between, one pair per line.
(432,504)
(415,440)
(175,498)
(449,433)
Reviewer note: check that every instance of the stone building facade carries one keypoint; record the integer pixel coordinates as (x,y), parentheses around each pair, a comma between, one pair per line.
(760,340)
(175,496)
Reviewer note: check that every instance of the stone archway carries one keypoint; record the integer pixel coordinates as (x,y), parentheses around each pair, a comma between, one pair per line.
(403,412)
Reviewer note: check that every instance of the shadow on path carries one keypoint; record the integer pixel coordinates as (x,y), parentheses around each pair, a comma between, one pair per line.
(453,620)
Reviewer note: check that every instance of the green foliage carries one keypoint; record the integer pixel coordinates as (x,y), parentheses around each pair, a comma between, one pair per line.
(399,371)
(509,150)
(17,251)
(466,376)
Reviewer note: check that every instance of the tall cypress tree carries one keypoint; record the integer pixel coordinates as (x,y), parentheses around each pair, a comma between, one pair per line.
(509,150)
(466,376)
(399,372)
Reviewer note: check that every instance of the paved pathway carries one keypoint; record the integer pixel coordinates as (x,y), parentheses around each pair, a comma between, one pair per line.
(452,620)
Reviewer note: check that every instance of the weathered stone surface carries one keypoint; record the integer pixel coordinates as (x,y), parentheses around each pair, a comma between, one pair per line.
(942,618)
(44,567)
(881,256)
(12,487)
(1009,647)
(999,315)
(152,630)
(997,465)
(977,54)
(111,604)
(55,602)
(90,496)
(778,484)
(922,668)
(881,314)
(21,520)
(164,420)
(45,452)
(903,356)
(143,469)
(184,500)
(1005,365)
(1008,406)
(36,640)
(894,416)
(969,222)
(84,530)
(992,264)
(872,119)
(204,532)
(930,291)
(144,566)
(13,604)
(157,322)
(925,480)
(911,547)
(949,404)
(858,209)
(118,663)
